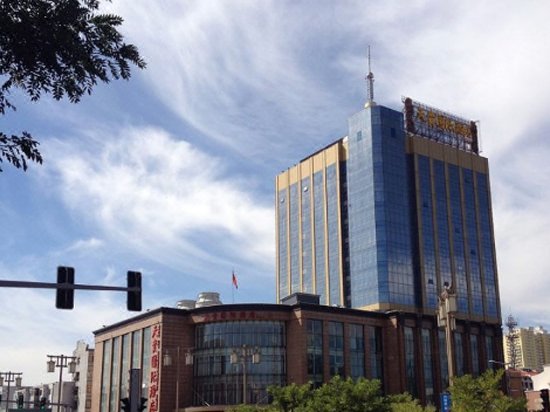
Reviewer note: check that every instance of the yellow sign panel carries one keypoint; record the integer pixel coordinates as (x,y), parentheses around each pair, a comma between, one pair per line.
(443,122)
(440,126)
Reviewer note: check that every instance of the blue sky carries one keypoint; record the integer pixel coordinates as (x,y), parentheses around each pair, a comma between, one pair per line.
(172,173)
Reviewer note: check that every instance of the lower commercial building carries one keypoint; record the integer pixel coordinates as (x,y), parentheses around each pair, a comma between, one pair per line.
(208,358)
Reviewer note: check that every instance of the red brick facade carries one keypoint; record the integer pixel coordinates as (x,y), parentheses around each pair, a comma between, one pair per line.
(178,330)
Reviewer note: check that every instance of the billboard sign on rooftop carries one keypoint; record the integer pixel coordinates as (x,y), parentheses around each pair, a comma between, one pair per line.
(434,124)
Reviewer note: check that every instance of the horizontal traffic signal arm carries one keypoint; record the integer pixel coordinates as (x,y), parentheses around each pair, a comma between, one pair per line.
(67,284)
(46,285)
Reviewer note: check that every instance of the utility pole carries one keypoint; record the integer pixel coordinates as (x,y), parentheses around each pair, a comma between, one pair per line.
(10,377)
(61,361)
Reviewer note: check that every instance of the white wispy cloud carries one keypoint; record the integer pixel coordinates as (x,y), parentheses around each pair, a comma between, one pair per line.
(83,245)
(234,70)
(163,198)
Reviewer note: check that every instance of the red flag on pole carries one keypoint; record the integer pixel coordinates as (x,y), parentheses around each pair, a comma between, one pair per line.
(234,280)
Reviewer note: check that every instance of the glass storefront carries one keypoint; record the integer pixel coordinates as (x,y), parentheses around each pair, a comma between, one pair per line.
(218,381)
(115,366)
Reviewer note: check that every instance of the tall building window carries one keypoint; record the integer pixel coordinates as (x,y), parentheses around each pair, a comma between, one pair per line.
(336,348)
(113,399)
(362,230)
(459,354)
(427,233)
(105,375)
(375,352)
(345,232)
(410,361)
(333,237)
(487,243)
(393,209)
(319,223)
(136,353)
(146,362)
(357,350)
(306,236)
(472,241)
(294,238)
(125,368)
(315,351)
(427,365)
(443,360)
(458,239)
(442,223)
(474,349)
(283,252)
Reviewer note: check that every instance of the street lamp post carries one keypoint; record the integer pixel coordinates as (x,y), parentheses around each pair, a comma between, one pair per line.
(61,361)
(10,377)
(243,355)
(446,319)
(167,361)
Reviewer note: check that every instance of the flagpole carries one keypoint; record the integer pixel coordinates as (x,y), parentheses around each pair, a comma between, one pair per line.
(232,286)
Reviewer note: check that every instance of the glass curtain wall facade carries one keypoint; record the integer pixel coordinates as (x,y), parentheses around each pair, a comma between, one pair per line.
(379,212)
(336,348)
(427,364)
(217,381)
(357,350)
(315,351)
(383,219)
(118,353)
(376,353)
(456,237)
(410,358)
(310,239)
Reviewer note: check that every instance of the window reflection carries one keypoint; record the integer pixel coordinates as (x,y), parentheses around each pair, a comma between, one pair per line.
(218,381)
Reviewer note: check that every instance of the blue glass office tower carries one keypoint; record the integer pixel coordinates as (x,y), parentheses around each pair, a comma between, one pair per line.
(383,218)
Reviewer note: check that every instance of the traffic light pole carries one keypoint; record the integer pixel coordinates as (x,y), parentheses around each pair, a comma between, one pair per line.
(46,285)
(65,287)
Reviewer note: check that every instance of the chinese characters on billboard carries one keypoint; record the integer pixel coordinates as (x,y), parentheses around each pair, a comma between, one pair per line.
(434,124)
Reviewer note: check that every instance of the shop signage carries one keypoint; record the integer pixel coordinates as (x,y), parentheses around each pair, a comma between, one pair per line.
(155,370)
(224,316)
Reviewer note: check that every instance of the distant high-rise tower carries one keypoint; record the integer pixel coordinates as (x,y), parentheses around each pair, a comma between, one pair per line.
(526,347)
(386,217)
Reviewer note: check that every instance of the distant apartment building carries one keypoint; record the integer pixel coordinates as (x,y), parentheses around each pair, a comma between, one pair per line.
(83,376)
(531,347)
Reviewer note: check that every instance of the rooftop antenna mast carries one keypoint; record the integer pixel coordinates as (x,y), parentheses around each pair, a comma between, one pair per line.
(370,84)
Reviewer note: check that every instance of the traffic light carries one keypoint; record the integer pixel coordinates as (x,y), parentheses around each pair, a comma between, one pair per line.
(43,403)
(125,407)
(20,400)
(133,301)
(64,298)
(545,400)
(142,405)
